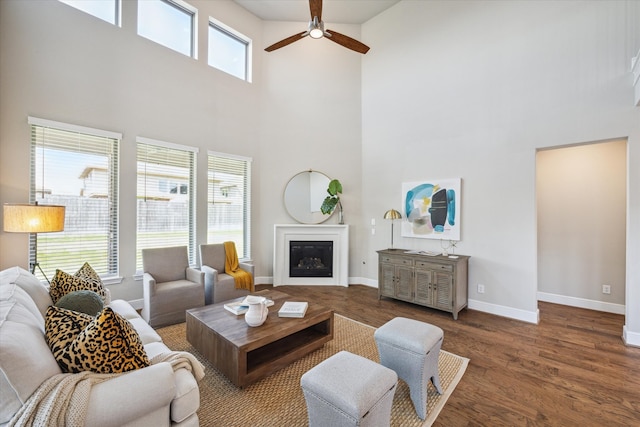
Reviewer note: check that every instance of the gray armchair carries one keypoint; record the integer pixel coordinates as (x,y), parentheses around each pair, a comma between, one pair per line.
(218,285)
(170,286)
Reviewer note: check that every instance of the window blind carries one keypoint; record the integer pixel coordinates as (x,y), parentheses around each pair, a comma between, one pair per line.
(229,201)
(166,197)
(76,167)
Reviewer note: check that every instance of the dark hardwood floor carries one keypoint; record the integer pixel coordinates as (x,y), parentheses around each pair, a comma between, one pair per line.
(572,369)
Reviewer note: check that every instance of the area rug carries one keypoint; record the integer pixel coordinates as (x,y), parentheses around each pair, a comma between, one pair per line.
(277,400)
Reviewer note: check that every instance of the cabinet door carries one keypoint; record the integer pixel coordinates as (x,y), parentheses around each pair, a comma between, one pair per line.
(424,290)
(443,290)
(386,281)
(404,283)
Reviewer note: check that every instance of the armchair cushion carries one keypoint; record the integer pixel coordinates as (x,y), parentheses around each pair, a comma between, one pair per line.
(166,264)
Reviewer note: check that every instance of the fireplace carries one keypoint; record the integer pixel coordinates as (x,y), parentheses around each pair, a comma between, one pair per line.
(337,262)
(310,258)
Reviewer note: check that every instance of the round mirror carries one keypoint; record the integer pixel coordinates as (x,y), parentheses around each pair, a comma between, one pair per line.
(303,196)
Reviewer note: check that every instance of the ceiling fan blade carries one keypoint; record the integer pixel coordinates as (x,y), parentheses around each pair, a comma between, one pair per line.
(347,42)
(287,41)
(316,9)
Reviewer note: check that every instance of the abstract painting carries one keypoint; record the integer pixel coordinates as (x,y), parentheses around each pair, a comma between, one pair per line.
(431,209)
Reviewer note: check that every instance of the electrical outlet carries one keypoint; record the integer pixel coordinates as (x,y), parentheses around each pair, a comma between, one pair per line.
(480,288)
(606,289)
(373,231)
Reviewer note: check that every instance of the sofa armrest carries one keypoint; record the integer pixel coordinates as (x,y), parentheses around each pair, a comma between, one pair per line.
(130,396)
(195,275)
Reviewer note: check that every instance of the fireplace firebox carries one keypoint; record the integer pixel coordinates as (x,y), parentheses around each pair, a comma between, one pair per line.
(310,258)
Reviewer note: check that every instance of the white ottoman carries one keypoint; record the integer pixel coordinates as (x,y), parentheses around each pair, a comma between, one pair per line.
(411,348)
(349,390)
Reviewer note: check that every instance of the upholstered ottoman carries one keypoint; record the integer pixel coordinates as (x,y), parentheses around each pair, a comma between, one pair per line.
(349,390)
(411,348)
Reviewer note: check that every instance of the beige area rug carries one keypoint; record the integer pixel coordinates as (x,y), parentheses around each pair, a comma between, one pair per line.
(277,400)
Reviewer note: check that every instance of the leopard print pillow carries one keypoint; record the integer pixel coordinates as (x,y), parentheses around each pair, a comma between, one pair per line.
(109,344)
(86,272)
(62,326)
(63,283)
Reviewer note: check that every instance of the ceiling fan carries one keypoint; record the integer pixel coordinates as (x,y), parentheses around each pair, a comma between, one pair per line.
(316,31)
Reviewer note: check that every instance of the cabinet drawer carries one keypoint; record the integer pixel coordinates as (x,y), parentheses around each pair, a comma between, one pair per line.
(432,266)
(396,260)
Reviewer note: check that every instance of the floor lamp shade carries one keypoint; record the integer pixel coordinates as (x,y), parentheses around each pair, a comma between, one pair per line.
(23,218)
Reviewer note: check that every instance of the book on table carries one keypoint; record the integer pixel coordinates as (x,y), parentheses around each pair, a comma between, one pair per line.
(293,309)
(241,307)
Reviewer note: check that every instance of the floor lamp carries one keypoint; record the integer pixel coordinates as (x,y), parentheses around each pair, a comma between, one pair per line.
(24,218)
(392,214)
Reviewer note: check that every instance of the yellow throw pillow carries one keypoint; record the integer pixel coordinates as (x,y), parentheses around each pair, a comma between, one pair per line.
(109,344)
(62,326)
(63,283)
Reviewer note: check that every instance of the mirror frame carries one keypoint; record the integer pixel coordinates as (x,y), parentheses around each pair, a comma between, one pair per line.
(298,194)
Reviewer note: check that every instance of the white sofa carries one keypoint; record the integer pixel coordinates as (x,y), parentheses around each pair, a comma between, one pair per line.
(152,396)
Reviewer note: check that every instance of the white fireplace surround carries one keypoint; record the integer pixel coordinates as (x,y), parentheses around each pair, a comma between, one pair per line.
(285,233)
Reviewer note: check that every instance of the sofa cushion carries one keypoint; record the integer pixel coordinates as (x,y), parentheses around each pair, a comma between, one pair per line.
(63,283)
(30,284)
(62,326)
(84,301)
(109,344)
(25,359)
(11,291)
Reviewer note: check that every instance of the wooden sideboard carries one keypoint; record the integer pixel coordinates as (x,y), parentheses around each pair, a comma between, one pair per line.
(437,282)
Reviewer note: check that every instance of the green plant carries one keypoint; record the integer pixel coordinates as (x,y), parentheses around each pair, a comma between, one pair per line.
(333,199)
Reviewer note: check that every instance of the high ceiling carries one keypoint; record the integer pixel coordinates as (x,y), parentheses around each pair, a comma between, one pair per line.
(333,11)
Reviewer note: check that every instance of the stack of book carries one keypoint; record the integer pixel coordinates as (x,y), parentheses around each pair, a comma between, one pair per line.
(293,309)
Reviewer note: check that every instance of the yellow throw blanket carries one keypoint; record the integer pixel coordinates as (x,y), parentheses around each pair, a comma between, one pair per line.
(243,278)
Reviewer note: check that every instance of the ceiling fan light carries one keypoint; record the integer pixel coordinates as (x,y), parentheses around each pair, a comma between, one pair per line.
(316,33)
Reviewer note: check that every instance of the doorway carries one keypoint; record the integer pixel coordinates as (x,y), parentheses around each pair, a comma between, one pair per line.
(581,199)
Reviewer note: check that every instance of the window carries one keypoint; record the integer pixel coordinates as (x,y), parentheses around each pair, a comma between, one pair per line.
(76,167)
(107,10)
(171,23)
(229,50)
(166,197)
(229,201)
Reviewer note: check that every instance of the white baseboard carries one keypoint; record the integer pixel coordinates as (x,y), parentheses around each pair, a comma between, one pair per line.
(137,303)
(363,281)
(607,307)
(504,311)
(630,338)
(263,280)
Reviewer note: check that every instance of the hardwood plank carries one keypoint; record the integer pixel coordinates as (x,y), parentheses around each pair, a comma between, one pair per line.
(572,369)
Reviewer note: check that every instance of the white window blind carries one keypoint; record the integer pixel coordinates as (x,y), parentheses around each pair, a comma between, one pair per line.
(76,167)
(229,202)
(166,197)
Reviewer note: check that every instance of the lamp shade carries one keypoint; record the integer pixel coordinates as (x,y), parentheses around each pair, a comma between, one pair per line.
(392,214)
(24,218)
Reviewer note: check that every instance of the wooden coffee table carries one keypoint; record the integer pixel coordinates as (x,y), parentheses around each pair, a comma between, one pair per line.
(246,354)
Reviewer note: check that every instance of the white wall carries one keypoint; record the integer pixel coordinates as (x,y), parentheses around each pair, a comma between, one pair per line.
(471,90)
(62,64)
(581,194)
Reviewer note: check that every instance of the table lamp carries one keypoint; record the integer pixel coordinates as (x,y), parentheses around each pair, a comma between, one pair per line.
(392,214)
(25,218)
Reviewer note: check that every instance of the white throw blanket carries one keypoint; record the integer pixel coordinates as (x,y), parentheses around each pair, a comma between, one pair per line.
(63,399)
